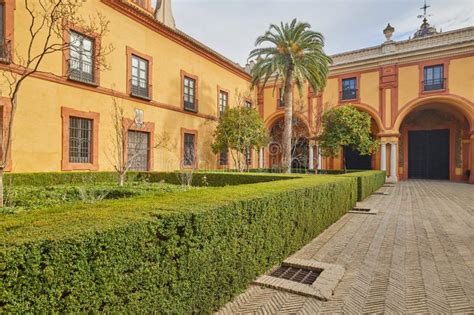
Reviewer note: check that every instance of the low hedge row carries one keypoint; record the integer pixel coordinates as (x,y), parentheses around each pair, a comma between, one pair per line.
(187,252)
(213,179)
(367,182)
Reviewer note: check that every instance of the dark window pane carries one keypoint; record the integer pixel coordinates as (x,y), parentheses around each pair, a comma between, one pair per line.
(224,157)
(80,140)
(189,149)
(434,78)
(349,89)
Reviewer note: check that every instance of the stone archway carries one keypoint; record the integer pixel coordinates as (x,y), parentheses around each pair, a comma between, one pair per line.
(300,144)
(435,143)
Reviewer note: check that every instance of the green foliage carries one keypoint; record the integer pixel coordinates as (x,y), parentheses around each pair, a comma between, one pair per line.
(367,182)
(346,126)
(291,46)
(240,129)
(187,252)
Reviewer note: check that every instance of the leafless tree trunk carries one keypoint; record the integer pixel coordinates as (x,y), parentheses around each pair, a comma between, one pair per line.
(48,25)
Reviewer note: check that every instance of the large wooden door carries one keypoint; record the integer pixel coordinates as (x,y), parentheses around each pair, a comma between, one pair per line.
(428,154)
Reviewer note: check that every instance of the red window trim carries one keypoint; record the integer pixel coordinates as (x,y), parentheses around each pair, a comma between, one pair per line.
(66,53)
(129,51)
(148,127)
(66,114)
(196,90)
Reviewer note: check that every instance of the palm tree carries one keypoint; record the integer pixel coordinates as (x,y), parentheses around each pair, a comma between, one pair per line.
(294,55)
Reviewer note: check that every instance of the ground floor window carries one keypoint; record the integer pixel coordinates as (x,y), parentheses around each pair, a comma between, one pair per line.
(224,157)
(80,140)
(189,148)
(138,150)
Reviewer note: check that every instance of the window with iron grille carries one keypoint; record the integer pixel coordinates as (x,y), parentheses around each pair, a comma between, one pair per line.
(281,100)
(224,157)
(80,140)
(434,78)
(223,102)
(189,94)
(139,80)
(349,89)
(81,58)
(189,149)
(138,150)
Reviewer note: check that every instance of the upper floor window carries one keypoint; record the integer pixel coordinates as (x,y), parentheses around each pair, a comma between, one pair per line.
(139,84)
(349,89)
(189,94)
(189,149)
(223,102)
(248,104)
(80,140)
(281,99)
(81,58)
(434,78)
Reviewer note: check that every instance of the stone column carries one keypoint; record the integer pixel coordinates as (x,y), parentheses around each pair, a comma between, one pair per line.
(320,159)
(260,158)
(311,156)
(393,162)
(471,178)
(383,157)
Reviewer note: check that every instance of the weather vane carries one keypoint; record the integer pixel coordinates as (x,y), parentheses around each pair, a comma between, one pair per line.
(424,8)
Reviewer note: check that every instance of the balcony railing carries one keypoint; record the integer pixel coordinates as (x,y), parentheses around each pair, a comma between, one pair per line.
(434,84)
(81,71)
(349,94)
(5,51)
(140,89)
(191,106)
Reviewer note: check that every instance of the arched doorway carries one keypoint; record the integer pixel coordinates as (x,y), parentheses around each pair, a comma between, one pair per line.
(433,138)
(356,161)
(299,140)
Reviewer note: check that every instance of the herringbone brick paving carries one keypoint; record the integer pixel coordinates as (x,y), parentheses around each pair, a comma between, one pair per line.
(416,255)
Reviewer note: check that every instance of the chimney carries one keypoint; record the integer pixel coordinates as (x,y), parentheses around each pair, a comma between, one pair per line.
(164,14)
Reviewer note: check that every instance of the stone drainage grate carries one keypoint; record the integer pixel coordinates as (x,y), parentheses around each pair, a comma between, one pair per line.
(304,277)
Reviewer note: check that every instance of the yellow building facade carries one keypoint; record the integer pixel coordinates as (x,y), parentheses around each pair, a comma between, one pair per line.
(419,93)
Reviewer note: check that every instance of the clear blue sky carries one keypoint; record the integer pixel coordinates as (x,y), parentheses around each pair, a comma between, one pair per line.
(231,26)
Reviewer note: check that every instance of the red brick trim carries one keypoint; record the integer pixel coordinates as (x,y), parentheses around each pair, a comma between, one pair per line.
(5,112)
(219,90)
(196,162)
(9,18)
(260,102)
(66,114)
(148,127)
(129,51)
(66,53)
(196,90)
(421,66)
(355,75)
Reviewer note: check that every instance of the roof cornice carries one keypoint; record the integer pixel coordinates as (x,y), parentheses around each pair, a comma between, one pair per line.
(177,36)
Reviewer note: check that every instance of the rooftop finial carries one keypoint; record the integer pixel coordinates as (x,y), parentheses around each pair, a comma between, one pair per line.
(425,28)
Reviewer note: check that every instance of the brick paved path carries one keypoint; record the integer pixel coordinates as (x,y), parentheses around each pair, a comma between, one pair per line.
(415,255)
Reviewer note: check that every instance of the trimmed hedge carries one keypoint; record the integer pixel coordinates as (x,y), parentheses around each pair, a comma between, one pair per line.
(214,179)
(187,252)
(367,182)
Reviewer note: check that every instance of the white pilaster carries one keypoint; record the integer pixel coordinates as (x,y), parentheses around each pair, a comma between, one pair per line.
(260,158)
(311,157)
(320,159)
(383,157)
(393,162)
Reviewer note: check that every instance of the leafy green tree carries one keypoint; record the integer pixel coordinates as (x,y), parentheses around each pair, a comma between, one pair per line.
(346,126)
(240,130)
(294,55)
